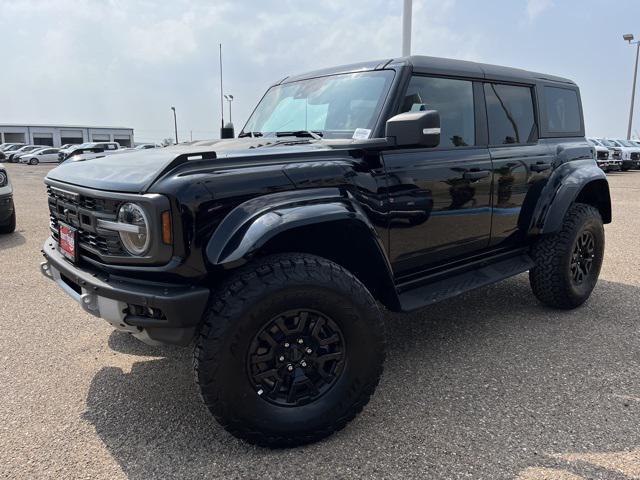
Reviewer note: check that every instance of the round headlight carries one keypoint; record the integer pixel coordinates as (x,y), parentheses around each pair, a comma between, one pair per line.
(3,179)
(136,241)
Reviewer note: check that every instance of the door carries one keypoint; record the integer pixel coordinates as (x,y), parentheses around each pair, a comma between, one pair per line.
(521,164)
(49,156)
(439,199)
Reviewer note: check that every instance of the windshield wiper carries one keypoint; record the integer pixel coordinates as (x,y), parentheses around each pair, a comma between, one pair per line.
(300,133)
(250,134)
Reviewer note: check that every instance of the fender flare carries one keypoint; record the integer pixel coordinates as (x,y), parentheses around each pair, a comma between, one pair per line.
(253,223)
(563,188)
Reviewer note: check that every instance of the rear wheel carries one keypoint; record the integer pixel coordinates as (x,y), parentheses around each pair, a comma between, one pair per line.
(568,262)
(290,350)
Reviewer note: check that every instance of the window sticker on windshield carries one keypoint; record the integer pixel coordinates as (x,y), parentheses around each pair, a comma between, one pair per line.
(361,133)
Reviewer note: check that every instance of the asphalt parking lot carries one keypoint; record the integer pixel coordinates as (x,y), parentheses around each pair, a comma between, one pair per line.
(489,386)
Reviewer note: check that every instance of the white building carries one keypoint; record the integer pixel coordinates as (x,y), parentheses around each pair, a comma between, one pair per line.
(56,135)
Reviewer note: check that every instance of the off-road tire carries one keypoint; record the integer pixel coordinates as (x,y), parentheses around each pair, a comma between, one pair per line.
(551,278)
(10,226)
(253,296)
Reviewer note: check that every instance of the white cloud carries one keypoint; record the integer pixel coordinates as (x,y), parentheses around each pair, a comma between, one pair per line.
(536,7)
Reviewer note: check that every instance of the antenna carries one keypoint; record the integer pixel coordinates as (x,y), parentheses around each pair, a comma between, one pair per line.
(221,99)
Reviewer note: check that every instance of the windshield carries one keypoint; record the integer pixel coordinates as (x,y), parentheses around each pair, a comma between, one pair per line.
(608,143)
(624,143)
(333,106)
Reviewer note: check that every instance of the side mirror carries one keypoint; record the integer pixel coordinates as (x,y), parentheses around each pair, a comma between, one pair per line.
(415,129)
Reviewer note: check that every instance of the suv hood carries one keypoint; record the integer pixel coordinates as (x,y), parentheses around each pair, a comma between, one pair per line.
(135,171)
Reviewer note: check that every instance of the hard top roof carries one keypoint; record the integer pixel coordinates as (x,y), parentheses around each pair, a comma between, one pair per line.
(439,66)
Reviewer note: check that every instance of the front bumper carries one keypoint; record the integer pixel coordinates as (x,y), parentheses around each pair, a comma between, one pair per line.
(153,312)
(6,207)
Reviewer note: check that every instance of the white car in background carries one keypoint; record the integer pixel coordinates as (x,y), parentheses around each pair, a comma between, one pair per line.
(630,154)
(602,155)
(615,151)
(90,150)
(44,155)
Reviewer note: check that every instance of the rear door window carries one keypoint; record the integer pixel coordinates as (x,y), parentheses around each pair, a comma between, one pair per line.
(510,114)
(563,110)
(453,99)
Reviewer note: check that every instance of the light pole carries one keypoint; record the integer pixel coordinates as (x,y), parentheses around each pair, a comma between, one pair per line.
(175,123)
(229,99)
(629,38)
(407,12)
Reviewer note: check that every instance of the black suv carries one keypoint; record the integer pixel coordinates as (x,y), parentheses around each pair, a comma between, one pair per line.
(398,182)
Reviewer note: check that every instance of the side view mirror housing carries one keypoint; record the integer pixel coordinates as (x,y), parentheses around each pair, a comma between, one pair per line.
(415,129)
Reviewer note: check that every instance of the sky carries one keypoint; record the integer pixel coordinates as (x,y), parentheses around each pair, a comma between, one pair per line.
(126,62)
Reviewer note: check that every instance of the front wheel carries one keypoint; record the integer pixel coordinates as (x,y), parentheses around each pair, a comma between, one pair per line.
(290,351)
(33,161)
(567,263)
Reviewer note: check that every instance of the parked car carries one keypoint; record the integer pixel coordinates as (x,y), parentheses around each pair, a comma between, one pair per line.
(272,250)
(44,155)
(630,154)
(7,208)
(9,148)
(634,153)
(146,146)
(615,151)
(602,154)
(3,146)
(89,149)
(13,156)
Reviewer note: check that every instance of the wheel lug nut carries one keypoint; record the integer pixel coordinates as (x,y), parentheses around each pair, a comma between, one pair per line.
(290,367)
(281,358)
(300,341)
(303,363)
(308,350)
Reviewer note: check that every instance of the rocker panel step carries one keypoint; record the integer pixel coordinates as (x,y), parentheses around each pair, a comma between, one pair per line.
(463,282)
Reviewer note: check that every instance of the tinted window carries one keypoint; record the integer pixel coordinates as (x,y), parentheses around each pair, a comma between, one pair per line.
(510,114)
(563,110)
(453,99)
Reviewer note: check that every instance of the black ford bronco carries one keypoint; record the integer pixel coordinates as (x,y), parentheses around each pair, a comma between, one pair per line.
(394,183)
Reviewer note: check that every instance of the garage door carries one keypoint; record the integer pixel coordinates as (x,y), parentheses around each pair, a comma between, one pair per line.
(14,137)
(73,137)
(43,139)
(123,140)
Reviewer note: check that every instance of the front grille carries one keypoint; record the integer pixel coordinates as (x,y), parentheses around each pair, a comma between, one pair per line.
(635,155)
(82,212)
(617,154)
(603,155)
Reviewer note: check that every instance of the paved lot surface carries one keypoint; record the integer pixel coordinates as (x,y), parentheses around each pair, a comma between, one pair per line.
(494,386)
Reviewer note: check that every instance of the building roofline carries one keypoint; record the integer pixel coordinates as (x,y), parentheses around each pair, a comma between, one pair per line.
(53,125)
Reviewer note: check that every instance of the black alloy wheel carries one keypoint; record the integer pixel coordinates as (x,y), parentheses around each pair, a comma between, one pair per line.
(296,358)
(584,251)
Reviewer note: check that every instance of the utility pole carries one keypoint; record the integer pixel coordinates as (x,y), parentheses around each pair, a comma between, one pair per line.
(221,91)
(629,38)
(407,13)
(175,123)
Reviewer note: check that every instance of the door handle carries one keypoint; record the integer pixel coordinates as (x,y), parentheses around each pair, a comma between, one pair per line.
(475,174)
(540,167)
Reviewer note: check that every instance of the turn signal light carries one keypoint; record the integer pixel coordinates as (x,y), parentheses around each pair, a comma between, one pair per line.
(166,228)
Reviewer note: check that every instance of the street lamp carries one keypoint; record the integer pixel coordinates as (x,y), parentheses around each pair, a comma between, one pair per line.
(229,99)
(629,38)
(175,123)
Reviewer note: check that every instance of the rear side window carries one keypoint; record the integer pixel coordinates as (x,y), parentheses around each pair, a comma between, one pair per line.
(510,114)
(563,110)
(453,99)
